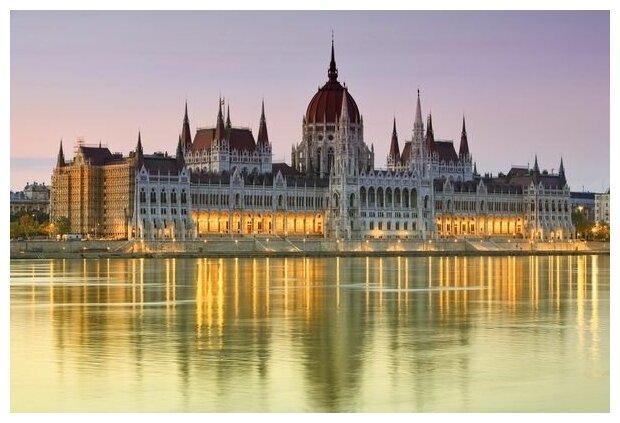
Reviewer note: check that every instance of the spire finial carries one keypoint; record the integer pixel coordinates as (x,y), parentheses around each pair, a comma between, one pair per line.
(332,73)
(228,124)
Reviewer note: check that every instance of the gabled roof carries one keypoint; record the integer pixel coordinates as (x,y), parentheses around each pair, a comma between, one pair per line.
(96,155)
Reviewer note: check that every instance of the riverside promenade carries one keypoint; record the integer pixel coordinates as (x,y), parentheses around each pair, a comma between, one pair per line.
(248,246)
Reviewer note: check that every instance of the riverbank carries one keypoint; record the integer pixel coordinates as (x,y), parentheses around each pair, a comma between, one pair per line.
(292,247)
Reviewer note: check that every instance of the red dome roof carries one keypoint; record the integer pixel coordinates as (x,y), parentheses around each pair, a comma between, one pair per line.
(326,104)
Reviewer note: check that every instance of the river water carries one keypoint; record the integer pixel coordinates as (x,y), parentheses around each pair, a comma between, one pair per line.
(369,334)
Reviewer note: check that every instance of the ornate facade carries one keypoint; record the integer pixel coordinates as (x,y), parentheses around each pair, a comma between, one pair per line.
(223,182)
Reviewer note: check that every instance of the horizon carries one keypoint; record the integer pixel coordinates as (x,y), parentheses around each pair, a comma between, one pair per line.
(547,95)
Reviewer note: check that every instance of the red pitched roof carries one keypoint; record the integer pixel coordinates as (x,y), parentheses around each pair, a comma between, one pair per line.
(238,138)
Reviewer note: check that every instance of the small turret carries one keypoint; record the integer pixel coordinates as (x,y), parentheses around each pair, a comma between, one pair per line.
(139,152)
(186,135)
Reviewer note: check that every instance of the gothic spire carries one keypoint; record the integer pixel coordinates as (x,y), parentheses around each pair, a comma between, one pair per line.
(332,73)
(186,135)
(464,149)
(536,169)
(61,157)
(219,127)
(418,115)
(430,136)
(394,150)
(180,158)
(561,171)
(139,152)
(344,110)
(228,125)
(263,138)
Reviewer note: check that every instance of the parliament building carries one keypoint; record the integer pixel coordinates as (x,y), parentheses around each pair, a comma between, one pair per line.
(222,182)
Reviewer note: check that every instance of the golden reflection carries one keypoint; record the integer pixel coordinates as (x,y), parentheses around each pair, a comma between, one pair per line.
(236,287)
(337,281)
(285,286)
(367,282)
(594,321)
(267,281)
(398,282)
(581,281)
(254,294)
(406,282)
(380,282)
(220,295)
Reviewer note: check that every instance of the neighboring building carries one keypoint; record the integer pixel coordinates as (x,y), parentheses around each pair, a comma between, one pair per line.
(224,182)
(34,197)
(583,202)
(95,191)
(601,208)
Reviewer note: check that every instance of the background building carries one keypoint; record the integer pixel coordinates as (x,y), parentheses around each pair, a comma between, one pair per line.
(34,198)
(601,208)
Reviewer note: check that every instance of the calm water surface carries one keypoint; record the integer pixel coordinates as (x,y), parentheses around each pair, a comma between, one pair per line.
(317,334)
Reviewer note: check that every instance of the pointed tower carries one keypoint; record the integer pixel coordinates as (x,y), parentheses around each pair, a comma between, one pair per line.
(464,148)
(536,169)
(179,157)
(430,136)
(394,155)
(186,135)
(262,139)
(139,152)
(561,172)
(418,125)
(219,127)
(228,125)
(60,162)
(418,146)
(475,170)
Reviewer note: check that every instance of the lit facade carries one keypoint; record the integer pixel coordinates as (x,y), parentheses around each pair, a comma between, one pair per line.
(223,182)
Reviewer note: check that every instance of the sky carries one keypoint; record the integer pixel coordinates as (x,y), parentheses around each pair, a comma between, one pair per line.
(529,83)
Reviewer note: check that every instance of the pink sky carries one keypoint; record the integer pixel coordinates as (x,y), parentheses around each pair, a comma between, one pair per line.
(528,82)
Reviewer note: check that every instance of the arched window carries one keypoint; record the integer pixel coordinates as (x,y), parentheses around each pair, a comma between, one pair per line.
(397,198)
(380,199)
(173,197)
(142,196)
(405,198)
(426,202)
(362,197)
(352,200)
(162,197)
(153,196)
(371,197)
(388,197)
(183,197)
(414,199)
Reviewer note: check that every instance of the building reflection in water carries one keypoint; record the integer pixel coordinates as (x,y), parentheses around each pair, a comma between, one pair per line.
(333,333)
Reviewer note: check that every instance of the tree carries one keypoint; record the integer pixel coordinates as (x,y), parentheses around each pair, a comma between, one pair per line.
(62,225)
(29,226)
(583,226)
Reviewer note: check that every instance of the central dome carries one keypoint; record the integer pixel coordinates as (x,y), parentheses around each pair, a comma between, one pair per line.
(326,104)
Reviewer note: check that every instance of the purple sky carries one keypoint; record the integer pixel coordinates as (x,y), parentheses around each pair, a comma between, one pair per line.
(528,82)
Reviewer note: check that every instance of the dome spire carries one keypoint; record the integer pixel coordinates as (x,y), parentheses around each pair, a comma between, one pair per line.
(332,73)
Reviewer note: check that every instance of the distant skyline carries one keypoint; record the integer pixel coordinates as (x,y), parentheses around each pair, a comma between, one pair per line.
(528,83)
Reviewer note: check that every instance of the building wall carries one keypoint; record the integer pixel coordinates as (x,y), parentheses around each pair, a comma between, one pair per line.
(95,199)
(601,208)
